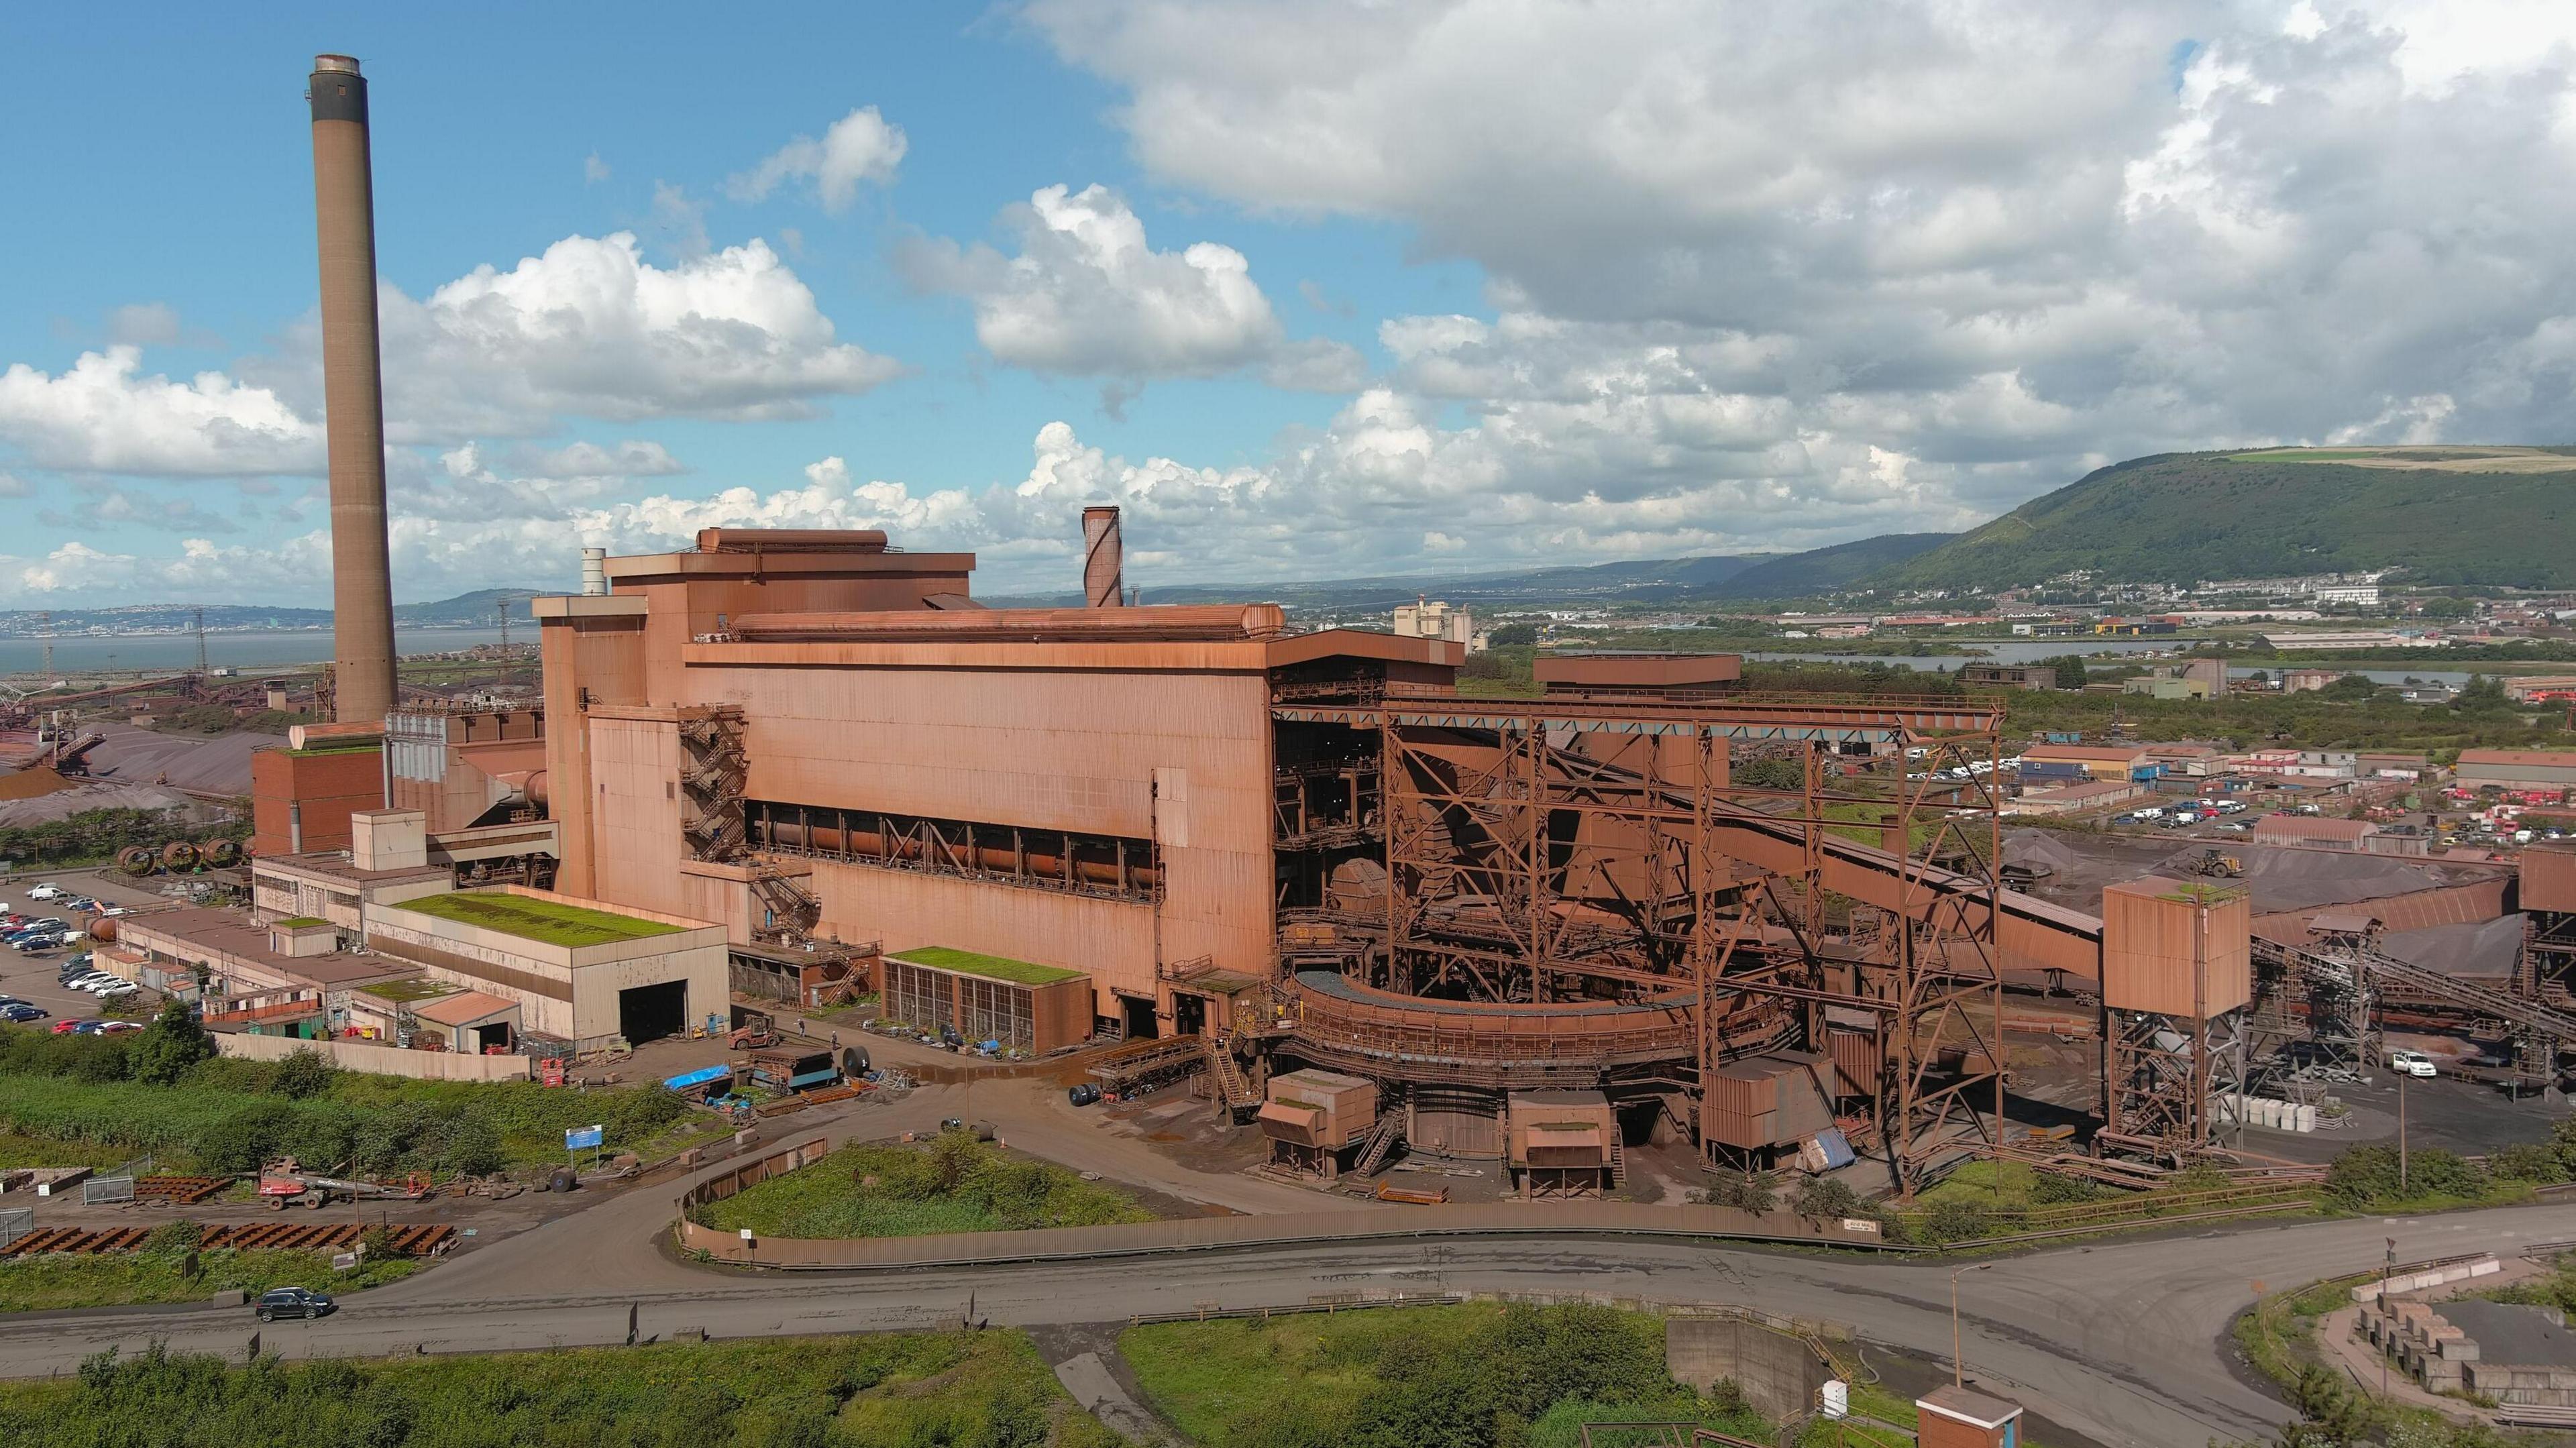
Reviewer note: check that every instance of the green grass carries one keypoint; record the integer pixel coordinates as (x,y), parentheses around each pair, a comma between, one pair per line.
(117,1279)
(18,1149)
(955,1184)
(407,990)
(991,967)
(1466,1376)
(916,1390)
(551,922)
(299,922)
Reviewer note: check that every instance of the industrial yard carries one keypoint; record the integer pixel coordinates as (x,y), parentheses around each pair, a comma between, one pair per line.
(807,991)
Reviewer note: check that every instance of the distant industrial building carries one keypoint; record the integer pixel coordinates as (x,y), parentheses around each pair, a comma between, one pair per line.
(2086,761)
(2075,798)
(2528,769)
(1426,618)
(2009,676)
(2315,833)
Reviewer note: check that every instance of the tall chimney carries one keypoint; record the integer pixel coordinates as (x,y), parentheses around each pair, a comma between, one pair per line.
(594,572)
(1100,558)
(344,209)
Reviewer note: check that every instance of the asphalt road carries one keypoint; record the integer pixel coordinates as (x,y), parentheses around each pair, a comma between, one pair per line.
(2125,1343)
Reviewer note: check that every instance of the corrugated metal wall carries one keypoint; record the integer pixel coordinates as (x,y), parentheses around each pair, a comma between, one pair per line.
(635,796)
(1110,940)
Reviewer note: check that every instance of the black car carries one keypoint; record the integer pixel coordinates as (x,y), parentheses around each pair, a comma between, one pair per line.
(280,1302)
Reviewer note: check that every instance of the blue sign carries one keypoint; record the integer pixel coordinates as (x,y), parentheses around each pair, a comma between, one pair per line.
(577,1137)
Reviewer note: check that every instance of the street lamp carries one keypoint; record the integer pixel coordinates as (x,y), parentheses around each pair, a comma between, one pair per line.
(1958,1369)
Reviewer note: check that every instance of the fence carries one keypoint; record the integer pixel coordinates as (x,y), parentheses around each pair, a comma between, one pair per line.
(15,1223)
(381,1060)
(99,1190)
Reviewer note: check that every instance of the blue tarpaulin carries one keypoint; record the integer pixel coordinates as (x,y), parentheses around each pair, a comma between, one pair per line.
(704,1076)
(1838,1152)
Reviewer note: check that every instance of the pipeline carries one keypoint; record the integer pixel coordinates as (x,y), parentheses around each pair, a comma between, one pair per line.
(1028,859)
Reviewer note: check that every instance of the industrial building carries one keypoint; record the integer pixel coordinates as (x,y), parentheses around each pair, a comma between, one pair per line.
(2546,771)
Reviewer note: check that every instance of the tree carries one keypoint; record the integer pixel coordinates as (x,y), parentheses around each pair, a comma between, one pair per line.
(305,1072)
(2071,673)
(1512,635)
(2483,693)
(170,1045)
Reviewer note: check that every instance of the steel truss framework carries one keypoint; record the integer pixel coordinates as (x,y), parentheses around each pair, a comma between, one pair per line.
(2167,1080)
(1545,853)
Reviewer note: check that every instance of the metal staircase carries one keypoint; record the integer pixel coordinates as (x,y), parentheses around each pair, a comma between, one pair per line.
(1379,1144)
(1233,1092)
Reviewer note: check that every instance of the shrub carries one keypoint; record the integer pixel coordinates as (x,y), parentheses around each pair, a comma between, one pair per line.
(304,1073)
(1826,1198)
(2054,1189)
(165,1049)
(1743,1191)
(1953,1220)
(2528,1161)
(2369,1175)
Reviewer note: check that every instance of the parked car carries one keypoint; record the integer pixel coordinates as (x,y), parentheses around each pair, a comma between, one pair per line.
(21,1013)
(91,981)
(68,1024)
(2411,1063)
(104,1028)
(46,890)
(279,1302)
(30,944)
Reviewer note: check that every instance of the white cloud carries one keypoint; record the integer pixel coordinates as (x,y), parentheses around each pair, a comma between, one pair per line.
(631,459)
(593,169)
(102,415)
(2000,239)
(1087,295)
(860,148)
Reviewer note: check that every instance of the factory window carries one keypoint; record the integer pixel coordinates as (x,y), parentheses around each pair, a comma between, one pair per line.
(1111,865)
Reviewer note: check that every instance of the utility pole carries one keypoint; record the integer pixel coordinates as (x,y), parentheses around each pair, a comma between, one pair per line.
(201,642)
(1958,1368)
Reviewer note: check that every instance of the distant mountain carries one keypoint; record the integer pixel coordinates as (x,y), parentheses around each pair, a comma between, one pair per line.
(1837,569)
(477,607)
(2456,515)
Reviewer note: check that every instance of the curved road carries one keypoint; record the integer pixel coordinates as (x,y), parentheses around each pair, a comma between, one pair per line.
(2124,1342)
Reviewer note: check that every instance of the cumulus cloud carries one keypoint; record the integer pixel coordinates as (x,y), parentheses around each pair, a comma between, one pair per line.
(1086,295)
(2004,239)
(861,148)
(102,414)
(629,459)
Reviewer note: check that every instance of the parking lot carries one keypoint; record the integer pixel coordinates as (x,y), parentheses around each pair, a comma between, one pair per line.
(34,976)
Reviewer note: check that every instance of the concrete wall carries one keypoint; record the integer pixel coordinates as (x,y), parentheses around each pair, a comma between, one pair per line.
(1778,1373)
(563,991)
(381,1060)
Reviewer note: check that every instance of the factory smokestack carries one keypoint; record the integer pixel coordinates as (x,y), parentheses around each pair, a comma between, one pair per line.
(594,572)
(1100,558)
(344,208)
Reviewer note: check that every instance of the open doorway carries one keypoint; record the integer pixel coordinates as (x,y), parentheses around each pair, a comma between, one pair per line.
(1139,1019)
(1189,1014)
(650,1012)
(492,1037)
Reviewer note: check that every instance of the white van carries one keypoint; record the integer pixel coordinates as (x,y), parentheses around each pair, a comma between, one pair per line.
(2411,1063)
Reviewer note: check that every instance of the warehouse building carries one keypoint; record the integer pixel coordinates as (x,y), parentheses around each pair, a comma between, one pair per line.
(579,975)
(1028,1009)
(2541,770)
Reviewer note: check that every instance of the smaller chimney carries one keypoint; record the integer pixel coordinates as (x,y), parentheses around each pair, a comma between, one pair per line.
(594,572)
(1100,558)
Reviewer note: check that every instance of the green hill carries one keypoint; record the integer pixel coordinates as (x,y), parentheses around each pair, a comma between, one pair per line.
(2457,515)
(1825,570)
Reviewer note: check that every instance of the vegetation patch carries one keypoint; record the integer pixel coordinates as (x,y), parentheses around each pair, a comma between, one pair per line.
(954,1390)
(991,967)
(174,1272)
(954,1184)
(160,1090)
(97,834)
(1470,1376)
(551,922)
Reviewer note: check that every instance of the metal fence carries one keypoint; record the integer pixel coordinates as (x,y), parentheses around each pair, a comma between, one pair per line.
(99,1190)
(15,1223)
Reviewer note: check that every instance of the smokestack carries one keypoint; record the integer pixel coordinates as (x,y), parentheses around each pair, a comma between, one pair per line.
(344,209)
(1100,558)
(594,572)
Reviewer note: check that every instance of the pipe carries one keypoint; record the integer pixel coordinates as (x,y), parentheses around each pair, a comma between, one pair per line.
(594,572)
(352,734)
(1102,559)
(1000,860)
(353,400)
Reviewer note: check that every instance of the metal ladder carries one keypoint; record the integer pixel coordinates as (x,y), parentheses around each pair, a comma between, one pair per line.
(1382,1138)
(1233,1092)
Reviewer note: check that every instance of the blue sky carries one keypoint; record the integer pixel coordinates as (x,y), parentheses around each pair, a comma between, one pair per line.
(1376,288)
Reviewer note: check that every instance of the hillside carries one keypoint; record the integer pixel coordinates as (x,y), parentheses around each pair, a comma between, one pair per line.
(142,618)
(1647,579)
(2491,515)
(1827,570)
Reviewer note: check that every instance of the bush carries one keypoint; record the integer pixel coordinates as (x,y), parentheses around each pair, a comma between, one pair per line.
(2529,1161)
(2368,1176)
(1954,1220)
(1826,1198)
(165,1049)
(304,1073)
(1743,1191)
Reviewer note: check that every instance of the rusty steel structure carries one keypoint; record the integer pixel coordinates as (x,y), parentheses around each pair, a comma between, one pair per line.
(1573,892)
